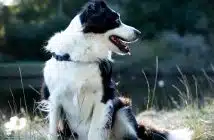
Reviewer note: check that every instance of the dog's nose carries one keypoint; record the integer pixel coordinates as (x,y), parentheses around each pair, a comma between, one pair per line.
(137,33)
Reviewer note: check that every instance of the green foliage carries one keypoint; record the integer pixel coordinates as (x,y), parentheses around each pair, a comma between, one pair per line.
(155,16)
(32,22)
(34,36)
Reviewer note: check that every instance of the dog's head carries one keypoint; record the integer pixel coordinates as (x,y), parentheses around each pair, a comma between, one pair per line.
(102,26)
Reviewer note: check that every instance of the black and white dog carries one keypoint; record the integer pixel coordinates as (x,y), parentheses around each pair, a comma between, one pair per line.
(78,76)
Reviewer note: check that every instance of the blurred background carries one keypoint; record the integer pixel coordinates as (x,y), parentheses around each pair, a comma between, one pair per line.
(171,66)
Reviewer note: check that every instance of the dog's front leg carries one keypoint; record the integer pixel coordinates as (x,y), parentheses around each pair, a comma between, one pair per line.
(54,115)
(100,128)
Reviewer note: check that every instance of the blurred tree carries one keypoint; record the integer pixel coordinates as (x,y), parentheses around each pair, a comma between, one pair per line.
(180,15)
(32,22)
(1,20)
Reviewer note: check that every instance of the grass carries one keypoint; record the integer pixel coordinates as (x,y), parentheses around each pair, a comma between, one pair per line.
(190,115)
(200,121)
(34,130)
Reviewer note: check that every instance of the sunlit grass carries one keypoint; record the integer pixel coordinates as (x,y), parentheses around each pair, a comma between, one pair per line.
(201,121)
(23,127)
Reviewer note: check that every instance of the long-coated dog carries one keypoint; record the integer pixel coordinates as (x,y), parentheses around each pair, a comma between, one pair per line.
(78,76)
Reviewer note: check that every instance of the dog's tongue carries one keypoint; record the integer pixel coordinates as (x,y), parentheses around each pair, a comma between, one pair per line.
(115,39)
(119,41)
(123,46)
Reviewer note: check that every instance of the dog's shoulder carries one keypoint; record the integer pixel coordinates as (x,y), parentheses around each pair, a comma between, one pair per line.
(109,85)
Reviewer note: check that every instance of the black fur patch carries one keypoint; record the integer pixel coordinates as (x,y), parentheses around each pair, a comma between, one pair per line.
(109,86)
(151,133)
(97,17)
(65,57)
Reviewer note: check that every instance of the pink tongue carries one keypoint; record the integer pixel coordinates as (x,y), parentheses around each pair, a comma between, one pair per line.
(113,38)
(117,40)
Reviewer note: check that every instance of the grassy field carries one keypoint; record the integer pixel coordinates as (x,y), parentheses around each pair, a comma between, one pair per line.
(200,121)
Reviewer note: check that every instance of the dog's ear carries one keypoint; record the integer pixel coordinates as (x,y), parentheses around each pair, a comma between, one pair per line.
(94,8)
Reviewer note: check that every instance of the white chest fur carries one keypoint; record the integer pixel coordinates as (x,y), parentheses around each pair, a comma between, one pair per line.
(67,81)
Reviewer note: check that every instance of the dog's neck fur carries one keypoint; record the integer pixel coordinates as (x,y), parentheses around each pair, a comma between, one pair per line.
(80,47)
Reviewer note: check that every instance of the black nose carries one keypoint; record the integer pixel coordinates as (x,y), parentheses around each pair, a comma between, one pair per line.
(137,33)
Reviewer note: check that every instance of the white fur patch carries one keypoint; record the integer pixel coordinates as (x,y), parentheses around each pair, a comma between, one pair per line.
(180,134)
(75,101)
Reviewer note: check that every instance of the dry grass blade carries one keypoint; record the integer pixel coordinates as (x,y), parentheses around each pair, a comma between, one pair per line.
(148,88)
(181,95)
(196,89)
(14,103)
(23,90)
(185,83)
(30,86)
(210,80)
(155,84)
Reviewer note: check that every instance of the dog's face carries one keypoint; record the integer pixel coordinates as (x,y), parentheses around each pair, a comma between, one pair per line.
(101,25)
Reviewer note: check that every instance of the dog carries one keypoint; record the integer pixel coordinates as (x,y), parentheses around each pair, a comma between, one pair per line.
(78,75)
(73,75)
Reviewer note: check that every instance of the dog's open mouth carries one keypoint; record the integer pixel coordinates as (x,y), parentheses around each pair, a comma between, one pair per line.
(121,43)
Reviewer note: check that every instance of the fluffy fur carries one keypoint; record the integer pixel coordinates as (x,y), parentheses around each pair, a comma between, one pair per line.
(81,86)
